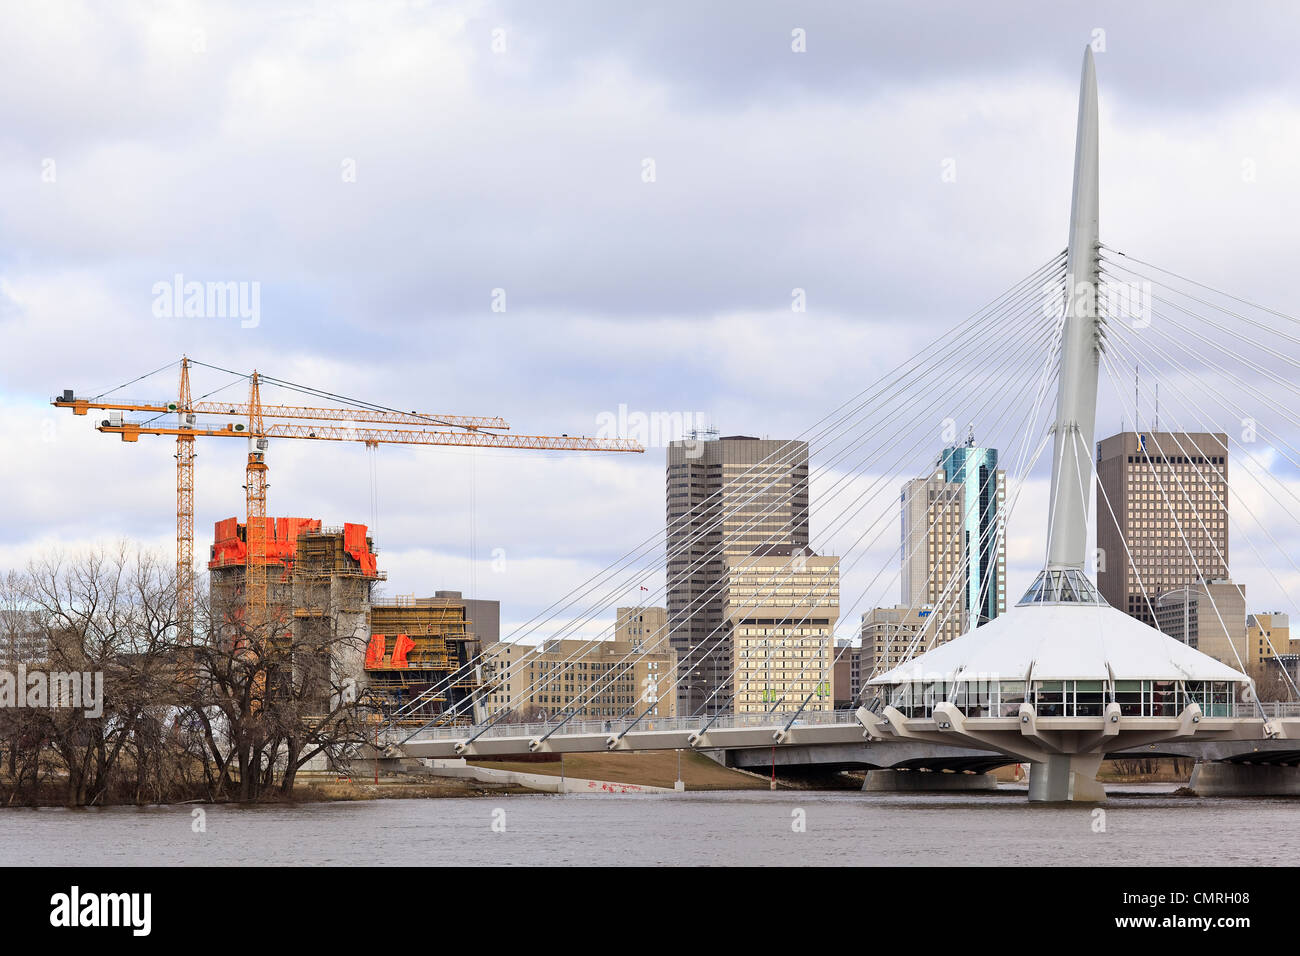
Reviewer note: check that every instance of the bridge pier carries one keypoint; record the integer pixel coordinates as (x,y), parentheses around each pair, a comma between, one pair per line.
(924,781)
(1064,777)
(1222,779)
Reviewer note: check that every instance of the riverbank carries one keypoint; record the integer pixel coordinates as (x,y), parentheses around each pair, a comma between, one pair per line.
(322,788)
(645,768)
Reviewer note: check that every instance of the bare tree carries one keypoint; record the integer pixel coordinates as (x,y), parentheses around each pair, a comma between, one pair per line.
(269,696)
(108,617)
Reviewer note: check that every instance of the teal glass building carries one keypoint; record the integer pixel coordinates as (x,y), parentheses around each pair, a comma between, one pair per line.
(976,470)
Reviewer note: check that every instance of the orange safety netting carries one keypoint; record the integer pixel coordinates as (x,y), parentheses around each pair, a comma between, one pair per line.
(354,543)
(401,646)
(375,651)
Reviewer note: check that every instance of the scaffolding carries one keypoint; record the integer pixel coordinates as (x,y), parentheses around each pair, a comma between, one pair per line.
(442,649)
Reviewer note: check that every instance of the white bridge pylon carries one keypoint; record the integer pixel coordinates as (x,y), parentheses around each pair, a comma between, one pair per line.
(1062,678)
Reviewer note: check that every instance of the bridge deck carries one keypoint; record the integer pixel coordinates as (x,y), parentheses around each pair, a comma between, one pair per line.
(741,732)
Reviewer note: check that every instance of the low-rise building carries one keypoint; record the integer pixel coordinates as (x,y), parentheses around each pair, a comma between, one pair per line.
(647,626)
(595,679)
(848,675)
(892,635)
(1268,633)
(1209,616)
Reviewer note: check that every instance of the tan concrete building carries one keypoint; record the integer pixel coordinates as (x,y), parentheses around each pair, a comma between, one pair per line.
(782,604)
(596,679)
(1209,616)
(725,497)
(847,674)
(890,636)
(642,625)
(1267,633)
(934,553)
(1155,488)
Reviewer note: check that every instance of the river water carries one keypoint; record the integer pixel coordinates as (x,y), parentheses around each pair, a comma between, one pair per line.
(1142,826)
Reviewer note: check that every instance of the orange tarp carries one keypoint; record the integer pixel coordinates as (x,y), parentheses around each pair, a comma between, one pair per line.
(400,648)
(354,543)
(230,540)
(375,651)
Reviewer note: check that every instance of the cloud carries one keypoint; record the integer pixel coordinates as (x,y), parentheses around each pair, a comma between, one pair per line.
(220,146)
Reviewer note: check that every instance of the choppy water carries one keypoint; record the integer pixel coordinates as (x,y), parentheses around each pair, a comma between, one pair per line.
(1143,826)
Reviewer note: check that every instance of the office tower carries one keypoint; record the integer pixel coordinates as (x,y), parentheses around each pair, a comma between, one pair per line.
(933,553)
(781,605)
(984,546)
(1158,493)
(726,497)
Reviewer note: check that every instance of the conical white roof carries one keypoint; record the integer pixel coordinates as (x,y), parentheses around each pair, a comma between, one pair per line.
(1068,641)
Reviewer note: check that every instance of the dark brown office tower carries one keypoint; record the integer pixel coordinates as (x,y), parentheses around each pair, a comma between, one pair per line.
(1157,494)
(726,498)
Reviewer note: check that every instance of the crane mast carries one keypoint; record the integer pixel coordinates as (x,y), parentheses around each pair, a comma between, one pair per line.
(184,509)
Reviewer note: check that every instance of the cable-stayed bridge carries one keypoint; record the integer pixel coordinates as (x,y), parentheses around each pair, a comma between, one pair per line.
(1062,679)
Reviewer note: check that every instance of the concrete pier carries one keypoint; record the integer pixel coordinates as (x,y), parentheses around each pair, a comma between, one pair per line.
(1244,780)
(924,781)
(1064,777)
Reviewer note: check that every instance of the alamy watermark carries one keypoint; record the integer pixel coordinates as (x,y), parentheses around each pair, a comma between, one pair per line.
(649,429)
(74,690)
(175,298)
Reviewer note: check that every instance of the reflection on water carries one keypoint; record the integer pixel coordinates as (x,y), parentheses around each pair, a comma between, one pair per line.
(1143,825)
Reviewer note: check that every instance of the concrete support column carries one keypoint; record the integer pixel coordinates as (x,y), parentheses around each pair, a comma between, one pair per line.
(1244,780)
(1065,777)
(924,781)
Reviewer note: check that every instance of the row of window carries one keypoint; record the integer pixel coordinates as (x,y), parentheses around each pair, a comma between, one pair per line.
(1068,698)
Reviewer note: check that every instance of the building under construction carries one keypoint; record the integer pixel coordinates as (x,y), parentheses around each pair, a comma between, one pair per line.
(320,588)
(422,646)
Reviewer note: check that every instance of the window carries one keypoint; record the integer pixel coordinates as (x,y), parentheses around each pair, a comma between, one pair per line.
(1049,698)
(1011,696)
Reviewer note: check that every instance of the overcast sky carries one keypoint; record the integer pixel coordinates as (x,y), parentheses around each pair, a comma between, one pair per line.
(380,169)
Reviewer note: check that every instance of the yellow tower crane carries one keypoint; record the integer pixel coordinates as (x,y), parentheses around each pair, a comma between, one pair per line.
(372,425)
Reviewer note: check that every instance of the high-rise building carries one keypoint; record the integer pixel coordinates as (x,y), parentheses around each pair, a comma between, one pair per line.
(1209,616)
(1162,516)
(984,548)
(726,497)
(782,604)
(933,552)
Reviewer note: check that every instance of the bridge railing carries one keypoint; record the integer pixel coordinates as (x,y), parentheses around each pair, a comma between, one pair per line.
(1275,708)
(775,721)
